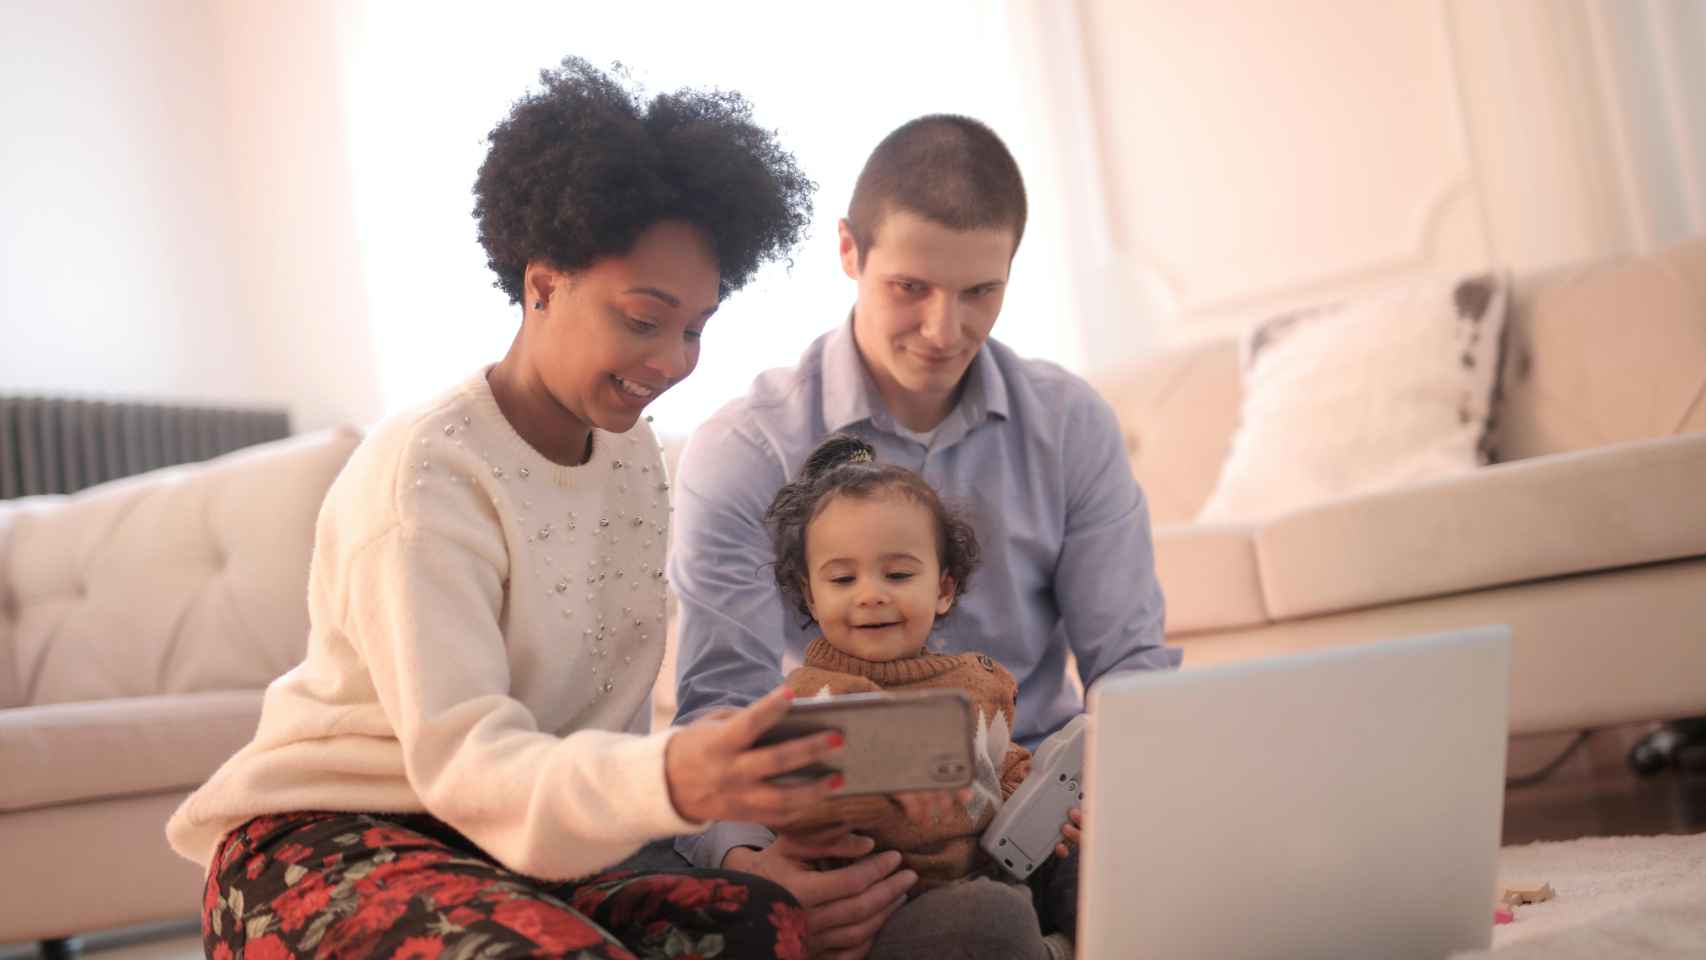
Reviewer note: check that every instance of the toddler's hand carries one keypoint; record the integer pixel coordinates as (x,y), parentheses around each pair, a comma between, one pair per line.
(1072,831)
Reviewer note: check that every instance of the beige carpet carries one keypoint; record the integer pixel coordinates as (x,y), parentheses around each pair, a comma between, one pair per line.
(1617,897)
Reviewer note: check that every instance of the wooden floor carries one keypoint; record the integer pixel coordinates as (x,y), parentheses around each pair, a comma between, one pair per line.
(1609,805)
(1593,793)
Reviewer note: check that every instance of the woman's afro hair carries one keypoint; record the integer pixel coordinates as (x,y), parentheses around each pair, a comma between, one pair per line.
(580,168)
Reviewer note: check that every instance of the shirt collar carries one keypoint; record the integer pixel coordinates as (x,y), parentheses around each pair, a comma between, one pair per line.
(985,393)
(850,396)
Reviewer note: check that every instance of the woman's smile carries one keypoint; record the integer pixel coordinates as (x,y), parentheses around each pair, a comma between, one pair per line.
(636,389)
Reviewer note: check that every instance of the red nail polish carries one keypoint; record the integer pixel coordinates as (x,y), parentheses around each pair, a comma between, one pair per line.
(836,740)
(836,781)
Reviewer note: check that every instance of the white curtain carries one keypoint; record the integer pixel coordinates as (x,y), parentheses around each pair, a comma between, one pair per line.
(1651,62)
(425,83)
(1113,304)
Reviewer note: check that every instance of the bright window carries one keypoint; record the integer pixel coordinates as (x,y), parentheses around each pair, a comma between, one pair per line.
(426,82)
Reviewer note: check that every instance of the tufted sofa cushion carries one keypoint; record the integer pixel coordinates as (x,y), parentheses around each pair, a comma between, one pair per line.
(179,581)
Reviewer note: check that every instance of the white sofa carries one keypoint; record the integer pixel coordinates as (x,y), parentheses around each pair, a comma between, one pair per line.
(139,623)
(1589,538)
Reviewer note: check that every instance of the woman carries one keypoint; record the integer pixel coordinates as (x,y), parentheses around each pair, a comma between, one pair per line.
(458,755)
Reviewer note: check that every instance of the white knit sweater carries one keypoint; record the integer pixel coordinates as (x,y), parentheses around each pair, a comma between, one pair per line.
(486,625)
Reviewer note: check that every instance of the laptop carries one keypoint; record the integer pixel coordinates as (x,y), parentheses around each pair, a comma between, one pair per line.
(1343,803)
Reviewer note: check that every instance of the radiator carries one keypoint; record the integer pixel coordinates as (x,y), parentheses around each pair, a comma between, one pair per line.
(61,445)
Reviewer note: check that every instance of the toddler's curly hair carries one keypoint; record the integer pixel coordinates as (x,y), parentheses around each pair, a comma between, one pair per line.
(846,466)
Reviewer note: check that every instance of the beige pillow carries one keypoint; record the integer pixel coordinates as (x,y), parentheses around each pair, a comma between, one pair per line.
(1388,390)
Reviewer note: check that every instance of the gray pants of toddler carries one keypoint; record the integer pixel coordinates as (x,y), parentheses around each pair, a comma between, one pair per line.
(979,918)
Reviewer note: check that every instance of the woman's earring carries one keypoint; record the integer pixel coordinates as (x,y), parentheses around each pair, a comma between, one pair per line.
(538,304)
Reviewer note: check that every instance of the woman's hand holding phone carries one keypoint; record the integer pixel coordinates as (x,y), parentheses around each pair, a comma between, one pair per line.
(715,773)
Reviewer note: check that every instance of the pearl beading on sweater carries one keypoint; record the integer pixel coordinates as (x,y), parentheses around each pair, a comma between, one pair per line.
(596,636)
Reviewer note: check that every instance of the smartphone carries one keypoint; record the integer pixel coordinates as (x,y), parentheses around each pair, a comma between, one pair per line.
(895,742)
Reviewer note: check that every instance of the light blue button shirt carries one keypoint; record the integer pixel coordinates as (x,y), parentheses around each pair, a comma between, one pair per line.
(1033,455)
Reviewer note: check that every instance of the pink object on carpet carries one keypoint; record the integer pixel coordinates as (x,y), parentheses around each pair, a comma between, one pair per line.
(1618,898)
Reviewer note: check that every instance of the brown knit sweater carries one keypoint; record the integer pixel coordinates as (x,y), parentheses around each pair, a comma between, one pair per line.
(939,852)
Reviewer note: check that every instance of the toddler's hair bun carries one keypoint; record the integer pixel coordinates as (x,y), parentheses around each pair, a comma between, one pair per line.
(837,450)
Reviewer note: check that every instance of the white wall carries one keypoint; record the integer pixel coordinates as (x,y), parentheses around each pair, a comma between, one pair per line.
(1652,56)
(238,200)
(1257,157)
(175,201)
(312,244)
(1280,152)
(298,259)
(116,267)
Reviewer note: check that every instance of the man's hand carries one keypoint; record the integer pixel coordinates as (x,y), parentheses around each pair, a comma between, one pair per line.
(714,773)
(845,907)
(1072,831)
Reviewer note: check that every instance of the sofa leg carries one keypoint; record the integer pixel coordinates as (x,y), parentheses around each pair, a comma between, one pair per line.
(61,948)
(1680,744)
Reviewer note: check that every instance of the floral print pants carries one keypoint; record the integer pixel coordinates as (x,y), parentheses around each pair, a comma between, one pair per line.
(367,885)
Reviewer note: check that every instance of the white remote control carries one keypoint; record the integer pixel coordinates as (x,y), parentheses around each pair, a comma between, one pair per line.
(1024,833)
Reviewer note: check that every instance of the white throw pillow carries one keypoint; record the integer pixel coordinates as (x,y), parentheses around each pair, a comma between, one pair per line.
(1361,396)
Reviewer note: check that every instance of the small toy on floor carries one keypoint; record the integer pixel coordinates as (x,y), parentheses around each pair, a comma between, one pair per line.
(1530,893)
(1503,914)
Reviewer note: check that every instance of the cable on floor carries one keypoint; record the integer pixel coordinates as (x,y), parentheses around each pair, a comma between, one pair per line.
(1530,779)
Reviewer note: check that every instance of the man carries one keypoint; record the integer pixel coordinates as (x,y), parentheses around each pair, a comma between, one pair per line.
(936,218)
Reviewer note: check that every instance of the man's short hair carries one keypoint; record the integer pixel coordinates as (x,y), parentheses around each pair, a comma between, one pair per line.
(946,168)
